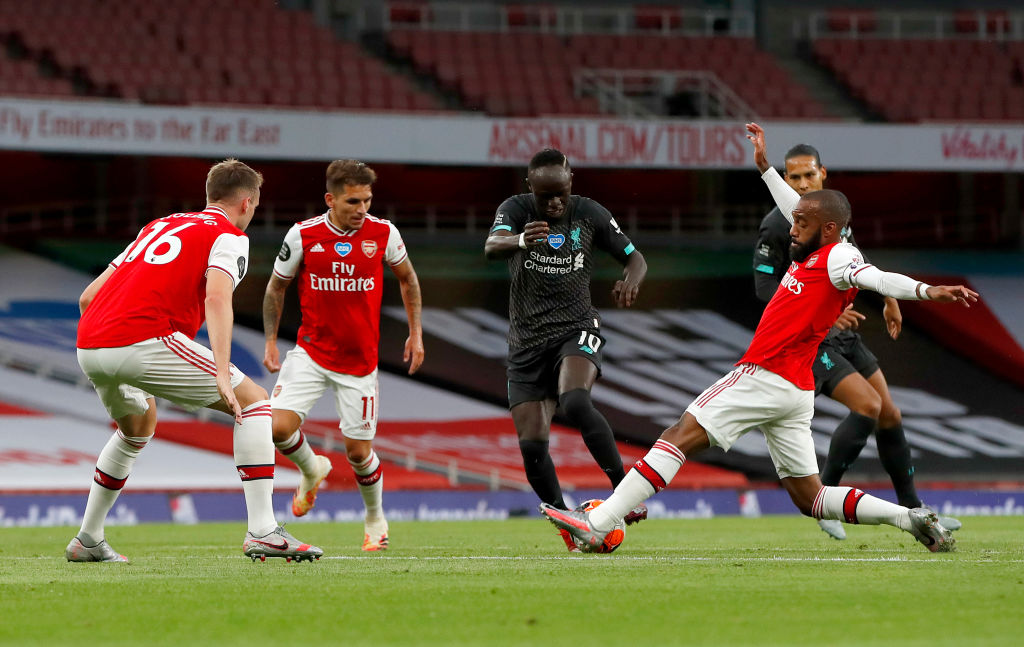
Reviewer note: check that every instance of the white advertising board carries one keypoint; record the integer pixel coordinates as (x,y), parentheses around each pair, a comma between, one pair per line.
(465,139)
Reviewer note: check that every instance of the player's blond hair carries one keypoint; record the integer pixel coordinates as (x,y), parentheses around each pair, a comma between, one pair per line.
(342,173)
(229,178)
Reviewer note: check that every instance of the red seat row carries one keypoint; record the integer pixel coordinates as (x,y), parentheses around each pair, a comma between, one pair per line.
(919,80)
(498,71)
(177,50)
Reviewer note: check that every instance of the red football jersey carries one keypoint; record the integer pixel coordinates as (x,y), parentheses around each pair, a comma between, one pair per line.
(159,283)
(797,318)
(340,277)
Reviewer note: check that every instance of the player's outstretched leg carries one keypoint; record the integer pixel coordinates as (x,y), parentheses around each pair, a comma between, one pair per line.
(278,543)
(854,506)
(84,548)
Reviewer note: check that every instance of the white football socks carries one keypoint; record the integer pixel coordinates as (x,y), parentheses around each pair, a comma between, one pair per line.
(297,450)
(112,469)
(370,477)
(854,506)
(651,474)
(254,458)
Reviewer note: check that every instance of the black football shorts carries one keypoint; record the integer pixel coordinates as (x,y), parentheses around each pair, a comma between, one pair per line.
(533,372)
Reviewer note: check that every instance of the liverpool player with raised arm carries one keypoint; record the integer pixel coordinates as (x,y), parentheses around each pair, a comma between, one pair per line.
(135,341)
(772,387)
(339,259)
(844,368)
(555,343)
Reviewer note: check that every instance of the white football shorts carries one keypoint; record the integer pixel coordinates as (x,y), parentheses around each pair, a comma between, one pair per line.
(751,397)
(302,381)
(174,367)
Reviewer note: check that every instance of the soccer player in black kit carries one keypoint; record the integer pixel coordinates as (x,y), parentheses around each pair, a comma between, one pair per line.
(844,369)
(548,237)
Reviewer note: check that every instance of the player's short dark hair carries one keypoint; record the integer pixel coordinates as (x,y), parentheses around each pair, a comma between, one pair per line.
(804,150)
(548,157)
(833,206)
(228,178)
(342,173)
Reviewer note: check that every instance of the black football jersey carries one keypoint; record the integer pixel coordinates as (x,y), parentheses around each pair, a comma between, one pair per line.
(550,294)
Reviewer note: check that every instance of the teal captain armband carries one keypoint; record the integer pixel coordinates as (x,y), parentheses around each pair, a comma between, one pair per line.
(629,249)
(501,228)
(767,269)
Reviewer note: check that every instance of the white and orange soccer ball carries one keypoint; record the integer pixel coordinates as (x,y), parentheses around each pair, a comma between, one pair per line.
(614,537)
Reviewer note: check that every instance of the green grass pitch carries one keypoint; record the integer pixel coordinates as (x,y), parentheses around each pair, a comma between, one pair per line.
(726,581)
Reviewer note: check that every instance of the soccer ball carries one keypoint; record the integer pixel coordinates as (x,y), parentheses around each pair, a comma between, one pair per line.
(614,537)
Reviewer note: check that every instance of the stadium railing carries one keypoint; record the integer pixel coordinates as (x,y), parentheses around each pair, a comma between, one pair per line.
(560,19)
(963,24)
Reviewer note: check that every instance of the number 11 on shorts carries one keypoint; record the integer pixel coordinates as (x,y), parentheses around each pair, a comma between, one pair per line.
(368,405)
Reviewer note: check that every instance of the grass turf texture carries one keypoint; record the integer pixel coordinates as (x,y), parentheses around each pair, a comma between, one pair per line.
(727,581)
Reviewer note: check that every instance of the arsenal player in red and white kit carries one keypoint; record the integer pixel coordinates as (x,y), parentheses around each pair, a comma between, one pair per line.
(135,341)
(772,387)
(338,260)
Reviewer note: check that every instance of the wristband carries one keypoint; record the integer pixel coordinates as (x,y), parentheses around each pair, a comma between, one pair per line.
(921,290)
(522,240)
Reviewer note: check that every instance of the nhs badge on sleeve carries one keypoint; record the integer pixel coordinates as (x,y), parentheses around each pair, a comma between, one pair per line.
(556,240)
(343,248)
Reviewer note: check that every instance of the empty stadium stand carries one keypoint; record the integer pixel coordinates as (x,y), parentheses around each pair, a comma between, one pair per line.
(953,66)
(179,52)
(22,77)
(535,69)
(520,60)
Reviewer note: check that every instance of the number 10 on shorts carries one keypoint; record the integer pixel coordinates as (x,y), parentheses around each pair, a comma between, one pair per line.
(589,342)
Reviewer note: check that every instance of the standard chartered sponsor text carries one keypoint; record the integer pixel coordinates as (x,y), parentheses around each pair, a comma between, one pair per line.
(549,264)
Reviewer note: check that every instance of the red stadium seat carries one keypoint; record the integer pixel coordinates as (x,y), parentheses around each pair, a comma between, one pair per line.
(851,21)
(531,15)
(409,12)
(656,17)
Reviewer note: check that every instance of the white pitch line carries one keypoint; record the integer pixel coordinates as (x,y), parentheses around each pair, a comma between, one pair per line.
(640,558)
(592,559)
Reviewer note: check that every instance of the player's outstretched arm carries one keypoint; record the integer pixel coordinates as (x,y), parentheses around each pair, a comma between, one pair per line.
(627,289)
(273,304)
(93,289)
(219,319)
(784,195)
(503,244)
(413,300)
(847,270)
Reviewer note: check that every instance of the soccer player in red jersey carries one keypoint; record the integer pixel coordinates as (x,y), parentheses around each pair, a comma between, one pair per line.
(339,259)
(135,341)
(845,369)
(772,386)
